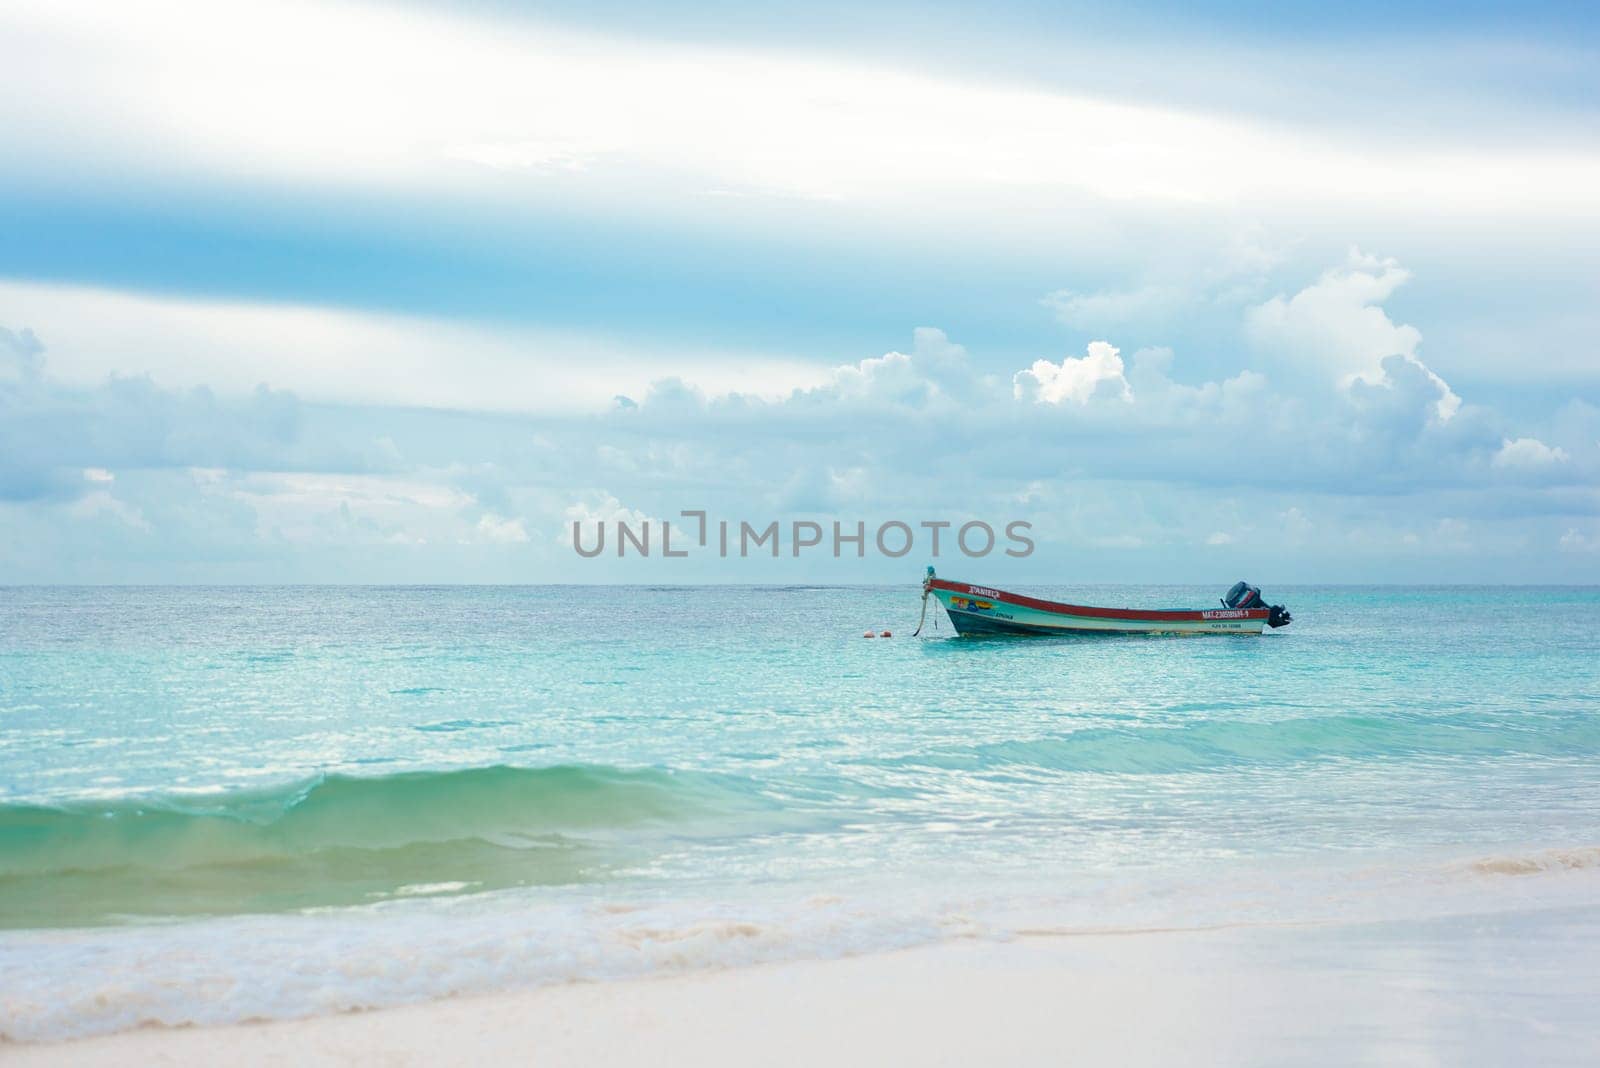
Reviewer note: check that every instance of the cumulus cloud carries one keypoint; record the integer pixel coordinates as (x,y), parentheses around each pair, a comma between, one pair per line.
(596,507)
(935,371)
(1338,324)
(889,378)
(1395,428)
(1245,398)
(1576,541)
(54,438)
(499,529)
(1075,379)
(1337,330)
(1528,453)
(101,502)
(1252,456)
(21,354)
(1402,396)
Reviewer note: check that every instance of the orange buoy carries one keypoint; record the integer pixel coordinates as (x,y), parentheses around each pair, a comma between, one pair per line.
(886,634)
(869,634)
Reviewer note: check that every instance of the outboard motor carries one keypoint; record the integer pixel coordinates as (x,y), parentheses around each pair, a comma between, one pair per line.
(1244,595)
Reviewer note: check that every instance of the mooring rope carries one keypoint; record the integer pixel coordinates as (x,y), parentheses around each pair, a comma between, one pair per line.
(924,615)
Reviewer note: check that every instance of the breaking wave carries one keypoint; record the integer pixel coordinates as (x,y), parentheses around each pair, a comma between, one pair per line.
(337,840)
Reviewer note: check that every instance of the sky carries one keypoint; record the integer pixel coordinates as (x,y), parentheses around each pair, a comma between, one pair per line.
(361,292)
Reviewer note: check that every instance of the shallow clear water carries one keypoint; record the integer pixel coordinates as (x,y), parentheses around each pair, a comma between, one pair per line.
(218,803)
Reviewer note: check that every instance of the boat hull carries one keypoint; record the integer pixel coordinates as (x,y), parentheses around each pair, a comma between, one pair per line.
(984,610)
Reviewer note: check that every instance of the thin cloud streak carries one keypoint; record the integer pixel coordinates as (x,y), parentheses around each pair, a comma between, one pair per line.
(338,356)
(457,107)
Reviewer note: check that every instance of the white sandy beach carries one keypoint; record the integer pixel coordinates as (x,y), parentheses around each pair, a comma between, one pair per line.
(1497,989)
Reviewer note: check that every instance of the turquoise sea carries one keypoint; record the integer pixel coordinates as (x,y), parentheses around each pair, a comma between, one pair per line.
(231,803)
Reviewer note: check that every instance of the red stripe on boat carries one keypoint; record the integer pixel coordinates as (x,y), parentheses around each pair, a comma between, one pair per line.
(1158,615)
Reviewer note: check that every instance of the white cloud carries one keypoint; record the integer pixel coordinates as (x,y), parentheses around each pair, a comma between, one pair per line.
(596,508)
(1080,379)
(904,430)
(1108,309)
(1337,324)
(499,529)
(936,369)
(1528,453)
(1451,534)
(888,377)
(1576,541)
(1243,398)
(530,156)
(376,491)
(101,502)
(312,508)
(21,354)
(863,435)
(432,100)
(367,493)
(326,354)
(1404,396)
(1234,272)
(1337,330)
(59,440)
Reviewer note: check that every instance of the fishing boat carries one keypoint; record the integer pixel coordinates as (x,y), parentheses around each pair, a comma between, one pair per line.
(986,610)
